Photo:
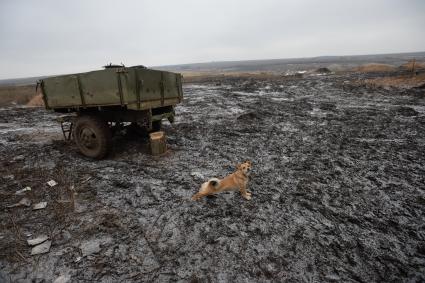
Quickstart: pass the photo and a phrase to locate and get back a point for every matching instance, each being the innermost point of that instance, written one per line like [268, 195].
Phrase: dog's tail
[214, 182]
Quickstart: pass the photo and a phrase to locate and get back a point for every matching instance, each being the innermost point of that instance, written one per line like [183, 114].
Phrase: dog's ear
[238, 166]
[249, 162]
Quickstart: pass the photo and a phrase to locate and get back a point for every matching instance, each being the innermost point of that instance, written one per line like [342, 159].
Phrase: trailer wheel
[92, 136]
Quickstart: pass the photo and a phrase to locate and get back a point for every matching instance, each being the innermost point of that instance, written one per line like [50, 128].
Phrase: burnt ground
[338, 190]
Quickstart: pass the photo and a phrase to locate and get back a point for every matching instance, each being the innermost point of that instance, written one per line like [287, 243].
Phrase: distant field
[403, 81]
[273, 66]
[22, 91]
[26, 95]
[16, 94]
[334, 63]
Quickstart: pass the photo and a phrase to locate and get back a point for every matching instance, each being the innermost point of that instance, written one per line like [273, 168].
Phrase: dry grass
[405, 81]
[16, 94]
[374, 67]
[417, 65]
[36, 101]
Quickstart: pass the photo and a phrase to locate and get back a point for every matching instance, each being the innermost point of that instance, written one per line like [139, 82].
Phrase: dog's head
[245, 167]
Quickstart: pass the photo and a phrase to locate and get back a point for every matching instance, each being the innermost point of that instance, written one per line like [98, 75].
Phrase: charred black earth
[338, 190]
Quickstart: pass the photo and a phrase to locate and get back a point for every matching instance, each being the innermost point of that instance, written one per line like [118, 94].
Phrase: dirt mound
[36, 101]
[323, 70]
[369, 68]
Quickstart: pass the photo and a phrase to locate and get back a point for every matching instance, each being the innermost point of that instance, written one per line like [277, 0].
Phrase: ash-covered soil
[338, 190]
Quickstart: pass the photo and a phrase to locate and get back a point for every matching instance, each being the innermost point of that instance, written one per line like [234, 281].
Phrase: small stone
[25, 202]
[90, 247]
[26, 189]
[197, 175]
[79, 207]
[63, 238]
[139, 191]
[38, 240]
[22, 202]
[52, 183]
[42, 248]
[9, 177]
[40, 205]
[333, 277]
[19, 158]
[62, 279]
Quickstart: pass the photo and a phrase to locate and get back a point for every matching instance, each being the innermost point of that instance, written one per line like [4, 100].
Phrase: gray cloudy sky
[55, 37]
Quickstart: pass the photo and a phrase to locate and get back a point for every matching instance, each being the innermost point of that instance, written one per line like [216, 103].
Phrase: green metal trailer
[107, 99]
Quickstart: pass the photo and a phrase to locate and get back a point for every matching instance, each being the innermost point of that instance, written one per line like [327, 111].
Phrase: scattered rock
[90, 247]
[4, 277]
[63, 237]
[42, 248]
[20, 192]
[9, 177]
[23, 202]
[407, 111]
[52, 183]
[19, 158]
[139, 191]
[79, 206]
[333, 278]
[62, 279]
[40, 205]
[197, 175]
[38, 240]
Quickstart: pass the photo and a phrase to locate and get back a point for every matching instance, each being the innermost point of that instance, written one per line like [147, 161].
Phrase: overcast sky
[56, 37]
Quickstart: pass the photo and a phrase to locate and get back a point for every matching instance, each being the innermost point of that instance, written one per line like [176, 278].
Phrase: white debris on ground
[42, 248]
[90, 247]
[23, 202]
[20, 192]
[40, 205]
[197, 175]
[52, 183]
[63, 279]
[38, 240]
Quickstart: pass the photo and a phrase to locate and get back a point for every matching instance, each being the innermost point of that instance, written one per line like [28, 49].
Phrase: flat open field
[338, 189]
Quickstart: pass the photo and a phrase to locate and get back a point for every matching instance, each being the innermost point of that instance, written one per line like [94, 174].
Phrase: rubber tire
[102, 134]
[156, 126]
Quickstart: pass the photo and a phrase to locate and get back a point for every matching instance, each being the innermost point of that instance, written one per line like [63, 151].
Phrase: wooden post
[158, 143]
[413, 68]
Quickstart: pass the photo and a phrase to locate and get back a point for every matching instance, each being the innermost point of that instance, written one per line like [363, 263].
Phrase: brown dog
[233, 182]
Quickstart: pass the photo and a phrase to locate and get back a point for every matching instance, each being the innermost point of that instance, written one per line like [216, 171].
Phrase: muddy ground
[338, 190]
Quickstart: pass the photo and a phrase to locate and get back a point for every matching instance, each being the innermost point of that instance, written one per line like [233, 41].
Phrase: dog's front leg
[245, 194]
